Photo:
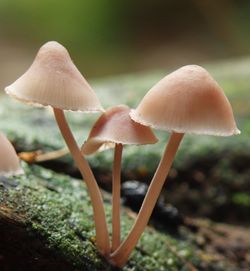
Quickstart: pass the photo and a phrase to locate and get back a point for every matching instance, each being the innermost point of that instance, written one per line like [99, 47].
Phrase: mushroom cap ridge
[53, 80]
[116, 127]
[187, 101]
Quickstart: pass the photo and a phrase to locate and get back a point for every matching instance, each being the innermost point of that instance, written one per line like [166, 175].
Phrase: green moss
[241, 199]
[57, 208]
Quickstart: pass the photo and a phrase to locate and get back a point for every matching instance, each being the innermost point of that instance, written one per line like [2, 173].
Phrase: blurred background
[111, 37]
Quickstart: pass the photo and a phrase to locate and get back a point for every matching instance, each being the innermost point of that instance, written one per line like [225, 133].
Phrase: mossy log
[46, 219]
[46, 223]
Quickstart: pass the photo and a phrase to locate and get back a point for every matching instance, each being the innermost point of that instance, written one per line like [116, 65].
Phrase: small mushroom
[9, 161]
[114, 128]
[53, 80]
[186, 101]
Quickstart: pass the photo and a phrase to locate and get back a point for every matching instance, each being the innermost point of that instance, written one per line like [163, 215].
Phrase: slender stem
[51, 155]
[38, 156]
[116, 186]
[102, 238]
[121, 255]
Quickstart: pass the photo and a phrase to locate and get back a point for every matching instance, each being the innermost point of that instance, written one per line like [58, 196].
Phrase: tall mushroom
[115, 128]
[53, 80]
[9, 161]
[186, 101]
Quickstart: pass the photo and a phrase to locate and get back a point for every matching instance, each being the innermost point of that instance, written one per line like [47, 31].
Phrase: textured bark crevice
[20, 249]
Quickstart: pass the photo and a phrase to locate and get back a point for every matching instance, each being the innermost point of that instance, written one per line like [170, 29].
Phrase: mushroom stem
[121, 255]
[38, 156]
[51, 155]
[102, 238]
[116, 186]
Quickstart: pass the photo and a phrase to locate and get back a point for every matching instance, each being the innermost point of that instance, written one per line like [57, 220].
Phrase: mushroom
[9, 161]
[53, 80]
[114, 128]
[186, 101]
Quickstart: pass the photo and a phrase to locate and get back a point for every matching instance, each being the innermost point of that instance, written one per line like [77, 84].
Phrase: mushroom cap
[9, 161]
[187, 101]
[116, 127]
[53, 80]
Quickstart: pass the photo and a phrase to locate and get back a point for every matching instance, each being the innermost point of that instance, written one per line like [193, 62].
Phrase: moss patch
[56, 209]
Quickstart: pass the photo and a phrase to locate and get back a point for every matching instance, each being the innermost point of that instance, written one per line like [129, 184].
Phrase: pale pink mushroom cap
[187, 101]
[9, 161]
[116, 127]
[54, 80]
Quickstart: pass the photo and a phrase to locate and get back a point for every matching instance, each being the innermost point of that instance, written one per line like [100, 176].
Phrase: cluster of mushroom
[185, 101]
